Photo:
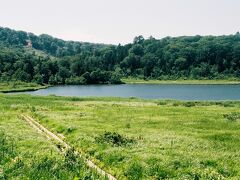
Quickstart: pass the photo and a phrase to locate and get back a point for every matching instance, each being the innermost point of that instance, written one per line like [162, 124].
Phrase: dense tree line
[69, 62]
[16, 64]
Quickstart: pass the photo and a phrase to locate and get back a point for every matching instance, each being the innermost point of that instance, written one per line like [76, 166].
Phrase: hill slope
[45, 59]
[46, 43]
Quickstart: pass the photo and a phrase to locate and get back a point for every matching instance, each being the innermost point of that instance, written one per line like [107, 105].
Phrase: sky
[119, 21]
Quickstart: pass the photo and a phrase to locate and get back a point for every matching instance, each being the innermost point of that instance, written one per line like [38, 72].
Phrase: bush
[115, 79]
[75, 99]
[128, 125]
[72, 161]
[71, 129]
[114, 139]
[162, 103]
[176, 104]
[64, 130]
[232, 116]
[189, 104]
[228, 104]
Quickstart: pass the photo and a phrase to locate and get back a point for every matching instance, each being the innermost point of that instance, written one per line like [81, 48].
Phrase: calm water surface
[148, 91]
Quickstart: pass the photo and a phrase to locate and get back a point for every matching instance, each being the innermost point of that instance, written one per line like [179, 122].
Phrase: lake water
[148, 91]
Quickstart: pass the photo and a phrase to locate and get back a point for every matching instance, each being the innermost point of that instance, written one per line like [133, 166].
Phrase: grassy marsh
[140, 139]
[26, 154]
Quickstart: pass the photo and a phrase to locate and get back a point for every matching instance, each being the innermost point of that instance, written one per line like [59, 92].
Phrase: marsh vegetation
[129, 138]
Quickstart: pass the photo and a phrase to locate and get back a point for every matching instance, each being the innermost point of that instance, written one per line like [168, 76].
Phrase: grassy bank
[137, 139]
[26, 154]
[141, 81]
[17, 86]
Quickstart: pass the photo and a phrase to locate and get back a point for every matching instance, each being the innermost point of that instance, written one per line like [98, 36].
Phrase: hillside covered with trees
[47, 60]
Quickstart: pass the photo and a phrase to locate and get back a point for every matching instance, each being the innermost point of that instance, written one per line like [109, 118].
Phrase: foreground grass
[26, 154]
[7, 87]
[139, 139]
[141, 81]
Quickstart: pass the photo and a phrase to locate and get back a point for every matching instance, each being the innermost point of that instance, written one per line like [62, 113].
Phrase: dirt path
[62, 145]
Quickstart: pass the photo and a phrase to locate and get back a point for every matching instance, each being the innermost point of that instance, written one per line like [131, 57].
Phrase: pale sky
[119, 21]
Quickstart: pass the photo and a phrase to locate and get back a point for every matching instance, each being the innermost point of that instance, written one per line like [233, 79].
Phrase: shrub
[176, 104]
[128, 125]
[228, 104]
[115, 79]
[114, 139]
[232, 116]
[33, 109]
[72, 161]
[162, 103]
[75, 99]
[70, 129]
[189, 104]
[62, 129]
[208, 163]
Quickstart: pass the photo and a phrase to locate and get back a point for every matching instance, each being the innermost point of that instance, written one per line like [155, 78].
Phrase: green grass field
[26, 154]
[132, 138]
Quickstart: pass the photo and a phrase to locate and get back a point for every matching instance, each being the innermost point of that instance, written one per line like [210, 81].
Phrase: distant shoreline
[195, 82]
[134, 81]
[23, 89]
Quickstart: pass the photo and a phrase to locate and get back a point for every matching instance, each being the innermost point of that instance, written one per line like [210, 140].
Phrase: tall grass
[171, 139]
[16, 166]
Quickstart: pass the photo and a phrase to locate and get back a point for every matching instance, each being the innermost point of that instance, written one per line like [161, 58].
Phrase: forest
[44, 59]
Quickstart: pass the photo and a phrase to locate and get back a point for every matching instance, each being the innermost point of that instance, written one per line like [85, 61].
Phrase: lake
[147, 91]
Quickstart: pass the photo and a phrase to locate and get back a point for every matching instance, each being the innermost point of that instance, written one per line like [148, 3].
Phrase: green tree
[38, 79]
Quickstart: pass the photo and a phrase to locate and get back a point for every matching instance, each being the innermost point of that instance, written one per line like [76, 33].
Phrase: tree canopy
[54, 61]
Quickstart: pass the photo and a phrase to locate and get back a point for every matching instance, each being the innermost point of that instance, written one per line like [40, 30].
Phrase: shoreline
[23, 89]
[137, 81]
[187, 82]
